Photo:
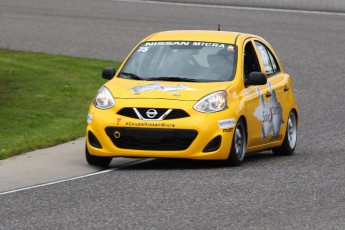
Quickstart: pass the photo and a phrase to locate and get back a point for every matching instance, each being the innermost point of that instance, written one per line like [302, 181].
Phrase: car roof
[199, 35]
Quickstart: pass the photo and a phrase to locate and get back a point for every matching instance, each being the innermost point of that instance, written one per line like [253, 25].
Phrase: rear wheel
[290, 139]
[96, 160]
[238, 147]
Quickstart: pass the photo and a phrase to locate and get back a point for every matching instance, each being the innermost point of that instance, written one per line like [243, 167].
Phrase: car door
[272, 109]
[253, 96]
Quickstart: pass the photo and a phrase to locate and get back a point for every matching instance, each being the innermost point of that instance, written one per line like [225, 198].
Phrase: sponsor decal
[270, 114]
[228, 130]
[231, 49]
[159, 87]
[209, 44]
[148, 124]
[227, 123]
[118, 120]
[188, 43]
[167, 43]
[89, 118]
[231, 90]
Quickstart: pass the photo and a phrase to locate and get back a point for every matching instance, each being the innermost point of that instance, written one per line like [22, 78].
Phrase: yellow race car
[207, 95]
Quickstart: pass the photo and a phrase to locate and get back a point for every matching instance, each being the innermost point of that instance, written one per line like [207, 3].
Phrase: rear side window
[270, 63]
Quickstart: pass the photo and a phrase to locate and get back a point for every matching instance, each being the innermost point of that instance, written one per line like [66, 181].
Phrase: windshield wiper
[178, 79]
[131, 76]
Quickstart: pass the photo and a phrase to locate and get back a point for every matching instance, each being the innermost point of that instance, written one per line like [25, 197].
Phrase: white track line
[232, 7]
[78, 177]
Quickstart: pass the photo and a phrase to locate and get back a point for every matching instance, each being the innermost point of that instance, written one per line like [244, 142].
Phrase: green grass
[44, 99]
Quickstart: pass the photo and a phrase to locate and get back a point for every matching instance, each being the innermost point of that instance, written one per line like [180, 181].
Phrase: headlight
[104, 99]
[213, 102]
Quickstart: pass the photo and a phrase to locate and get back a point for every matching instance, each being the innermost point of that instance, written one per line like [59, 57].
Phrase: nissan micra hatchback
[208, 95]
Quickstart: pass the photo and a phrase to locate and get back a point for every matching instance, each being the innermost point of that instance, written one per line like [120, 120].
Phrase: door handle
[268, 94]
[286, 88]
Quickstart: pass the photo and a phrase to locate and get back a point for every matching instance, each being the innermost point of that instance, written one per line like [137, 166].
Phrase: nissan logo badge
[151, 113]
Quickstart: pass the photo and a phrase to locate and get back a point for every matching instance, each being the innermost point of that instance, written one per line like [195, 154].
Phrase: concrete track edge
[56, 163]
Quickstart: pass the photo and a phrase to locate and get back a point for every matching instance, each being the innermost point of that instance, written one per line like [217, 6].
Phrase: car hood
[124, 88]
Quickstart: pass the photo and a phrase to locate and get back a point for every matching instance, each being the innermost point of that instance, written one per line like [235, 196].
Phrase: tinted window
[270, 63]
[251, 63]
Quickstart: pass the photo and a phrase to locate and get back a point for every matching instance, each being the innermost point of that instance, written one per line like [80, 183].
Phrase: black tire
[96, 160]
[239, 144]
[290, 139]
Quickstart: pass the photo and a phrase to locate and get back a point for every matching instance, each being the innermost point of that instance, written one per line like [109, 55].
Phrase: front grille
[151, 139]
[174, 114]
[127, 112]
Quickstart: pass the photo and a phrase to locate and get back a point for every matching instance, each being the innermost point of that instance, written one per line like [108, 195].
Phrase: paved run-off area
[61, 162]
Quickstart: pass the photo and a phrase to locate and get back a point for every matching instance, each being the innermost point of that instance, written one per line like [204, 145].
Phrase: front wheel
[96, 160]
[290, 139]
[239, 143]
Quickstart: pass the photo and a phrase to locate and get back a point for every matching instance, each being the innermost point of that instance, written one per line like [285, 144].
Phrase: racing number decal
[143, 49]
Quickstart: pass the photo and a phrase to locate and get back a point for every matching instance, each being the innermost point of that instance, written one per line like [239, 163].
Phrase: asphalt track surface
[304, 191]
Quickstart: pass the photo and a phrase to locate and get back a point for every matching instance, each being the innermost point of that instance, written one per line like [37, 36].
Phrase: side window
[251, 63]
[273, 61]
[270, 63]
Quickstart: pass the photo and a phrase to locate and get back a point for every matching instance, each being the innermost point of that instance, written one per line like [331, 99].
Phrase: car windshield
[185, 61]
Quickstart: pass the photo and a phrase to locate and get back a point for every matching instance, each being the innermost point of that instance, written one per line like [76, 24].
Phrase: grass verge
[44, 99]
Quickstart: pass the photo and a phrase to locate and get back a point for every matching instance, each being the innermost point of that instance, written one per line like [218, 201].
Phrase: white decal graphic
[178, 43]
[167, 43]
[159, 87]
[89, 118]
[227, 123]
[231, 48]
[143, 49]
[270, 114]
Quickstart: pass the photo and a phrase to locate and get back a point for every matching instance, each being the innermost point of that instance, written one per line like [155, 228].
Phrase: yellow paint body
[242, 103]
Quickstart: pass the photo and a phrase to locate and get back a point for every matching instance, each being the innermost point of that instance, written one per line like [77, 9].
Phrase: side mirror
[108, 73]
[256, 78]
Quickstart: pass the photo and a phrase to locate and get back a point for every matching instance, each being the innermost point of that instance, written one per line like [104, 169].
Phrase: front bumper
[198, 136]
